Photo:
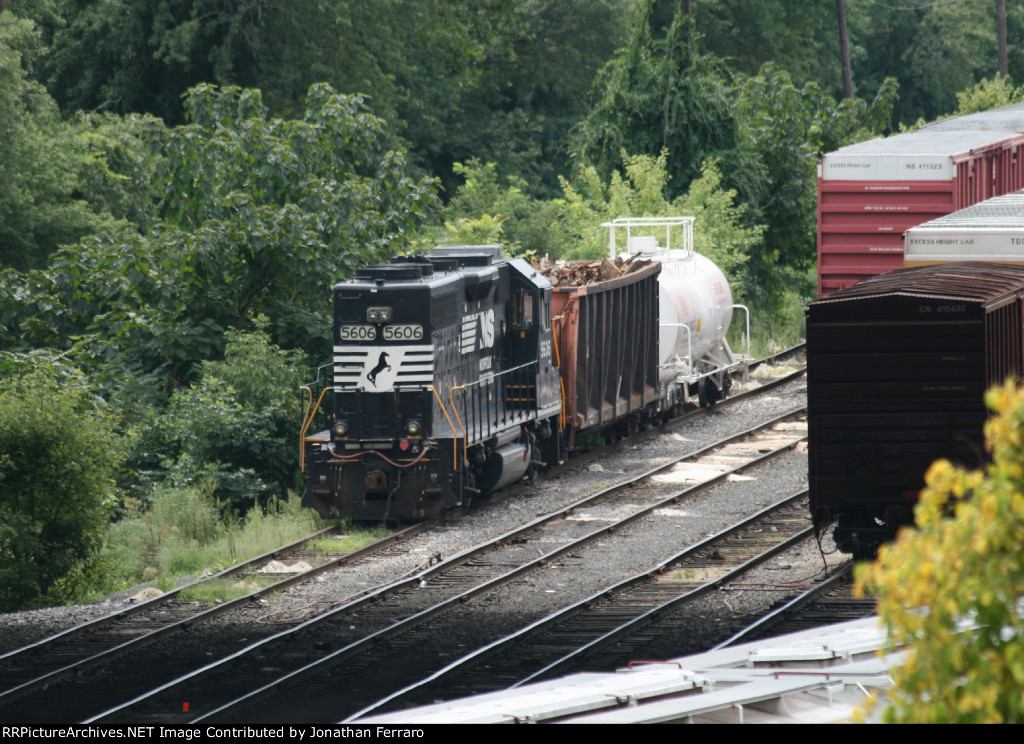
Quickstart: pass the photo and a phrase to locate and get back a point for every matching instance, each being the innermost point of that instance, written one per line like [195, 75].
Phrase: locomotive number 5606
[403, 332]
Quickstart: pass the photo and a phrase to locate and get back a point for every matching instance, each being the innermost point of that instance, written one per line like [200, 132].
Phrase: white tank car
[695, 306]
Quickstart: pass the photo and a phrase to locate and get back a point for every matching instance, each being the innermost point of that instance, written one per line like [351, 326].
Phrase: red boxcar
[870, 193]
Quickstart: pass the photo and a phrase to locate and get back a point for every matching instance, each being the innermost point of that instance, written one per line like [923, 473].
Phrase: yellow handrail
[558, 361]
[465, 448]
[455, 450]
[307, 419]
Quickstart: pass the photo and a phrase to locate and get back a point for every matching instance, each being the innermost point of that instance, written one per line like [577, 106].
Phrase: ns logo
[486, 328]
[477, 325]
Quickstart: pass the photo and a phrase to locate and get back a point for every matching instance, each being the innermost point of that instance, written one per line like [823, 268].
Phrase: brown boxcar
[870, 193]
[607, 337]
[897, 367]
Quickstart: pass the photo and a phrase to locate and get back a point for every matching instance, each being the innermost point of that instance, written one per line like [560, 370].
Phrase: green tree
[963, 562]
[720, 229]
[255, 215]
[491, 208]
[789, 129]
[59, 454]
[236, 426]
[988, 94]
[932, 49]
[59, 180]
[799, 38]
[502, 81]
[655, 96]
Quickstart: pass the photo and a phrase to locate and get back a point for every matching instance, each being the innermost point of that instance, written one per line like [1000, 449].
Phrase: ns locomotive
[461, 372]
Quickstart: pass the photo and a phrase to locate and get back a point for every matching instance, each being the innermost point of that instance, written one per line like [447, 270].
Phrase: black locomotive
[406, 436]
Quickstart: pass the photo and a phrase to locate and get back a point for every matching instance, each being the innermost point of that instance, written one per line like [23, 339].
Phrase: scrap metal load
[585, 273]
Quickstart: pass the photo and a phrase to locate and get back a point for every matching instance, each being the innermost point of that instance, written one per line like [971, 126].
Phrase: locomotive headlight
[378, 315]
[414, 428]
[340, 429]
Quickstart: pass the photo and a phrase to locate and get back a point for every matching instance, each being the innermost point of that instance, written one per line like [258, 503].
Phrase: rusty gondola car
[897, 367]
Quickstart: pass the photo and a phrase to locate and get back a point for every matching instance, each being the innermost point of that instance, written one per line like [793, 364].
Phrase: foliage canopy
[235, 428]
[254, 215]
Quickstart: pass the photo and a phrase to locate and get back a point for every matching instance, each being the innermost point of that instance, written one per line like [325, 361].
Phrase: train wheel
[705, 392]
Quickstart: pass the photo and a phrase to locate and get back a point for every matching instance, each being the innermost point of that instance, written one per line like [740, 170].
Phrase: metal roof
[1005, 211]
[1007, 118]
[973, 281]
[928, 142]
[814, 676]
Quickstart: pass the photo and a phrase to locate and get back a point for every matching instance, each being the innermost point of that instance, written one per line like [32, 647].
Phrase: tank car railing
[746, 338]
[494, 404]
[677, 360]
[688, 361]
[683, 225]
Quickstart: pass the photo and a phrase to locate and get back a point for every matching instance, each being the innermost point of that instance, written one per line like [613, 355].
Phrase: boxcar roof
[925, 142]
[972, 281]
[1007, 118]
[998, 212]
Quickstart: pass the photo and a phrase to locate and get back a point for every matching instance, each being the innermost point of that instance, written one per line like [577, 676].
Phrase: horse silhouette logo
[382, 364]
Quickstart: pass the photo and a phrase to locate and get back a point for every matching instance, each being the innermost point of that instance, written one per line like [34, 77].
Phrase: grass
[222, 590]
[184, 534]
[352, 540]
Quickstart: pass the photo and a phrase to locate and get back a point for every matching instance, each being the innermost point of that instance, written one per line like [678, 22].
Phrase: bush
[59, 454]
[238, 426]
[962, 563]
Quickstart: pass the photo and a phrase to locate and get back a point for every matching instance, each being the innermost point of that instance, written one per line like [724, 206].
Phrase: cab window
[522, 310]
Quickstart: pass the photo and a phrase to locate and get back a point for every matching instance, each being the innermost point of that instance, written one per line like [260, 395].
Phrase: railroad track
[348, 647]
[826, 602]
[72, 654]
[605, 628]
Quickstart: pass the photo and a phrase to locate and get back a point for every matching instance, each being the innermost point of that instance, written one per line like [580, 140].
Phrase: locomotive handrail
[477, 383]
[455, 410]
[307, 416]
[455, 444]
[558, 363]
[309, 413]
